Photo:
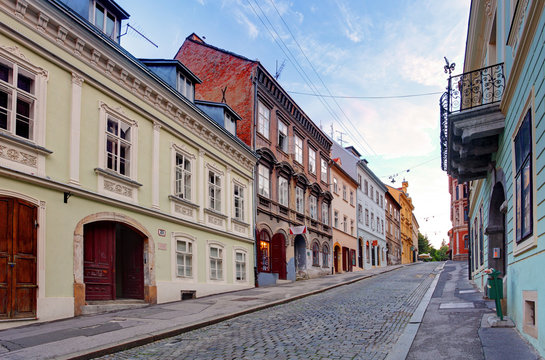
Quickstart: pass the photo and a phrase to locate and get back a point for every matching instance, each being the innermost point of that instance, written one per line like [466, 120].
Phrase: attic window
[104, 20]
[185, 87]
[230, 124]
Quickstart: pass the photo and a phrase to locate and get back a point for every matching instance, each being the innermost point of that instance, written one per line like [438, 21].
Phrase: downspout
[254, 171]
[469, 253]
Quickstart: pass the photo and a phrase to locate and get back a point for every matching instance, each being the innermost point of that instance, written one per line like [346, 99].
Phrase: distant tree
[441, 254]
[424, 246]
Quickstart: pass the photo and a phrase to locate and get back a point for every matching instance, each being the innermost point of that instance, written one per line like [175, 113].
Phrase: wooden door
[278, 256]
[336, 259]
[99, 261]
[132, 262]
[18, 249]
[345, 259]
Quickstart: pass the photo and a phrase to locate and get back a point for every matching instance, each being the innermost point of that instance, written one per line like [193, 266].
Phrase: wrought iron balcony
[471, 122]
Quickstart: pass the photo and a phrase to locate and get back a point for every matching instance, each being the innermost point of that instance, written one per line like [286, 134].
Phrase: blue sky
[357, 48]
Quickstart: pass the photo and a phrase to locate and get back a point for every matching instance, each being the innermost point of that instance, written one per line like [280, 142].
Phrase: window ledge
[524, 245]
[183, 201]
[118, 177]
[25, 143]
[239, 222]
[282, 151]
[263, 137]
[215, 213]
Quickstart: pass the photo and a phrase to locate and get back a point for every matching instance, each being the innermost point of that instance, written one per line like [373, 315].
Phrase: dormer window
[185, 87]
[105, 20]
[230, 124]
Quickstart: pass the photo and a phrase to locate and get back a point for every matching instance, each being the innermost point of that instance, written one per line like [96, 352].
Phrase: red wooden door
[18, 249]
[336, 259]
[99, 261]
[132, 262]
[278, 256]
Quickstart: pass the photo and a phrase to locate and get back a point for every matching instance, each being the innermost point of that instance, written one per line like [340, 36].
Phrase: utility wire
[409, 169]
[320, 78]
[368, 97]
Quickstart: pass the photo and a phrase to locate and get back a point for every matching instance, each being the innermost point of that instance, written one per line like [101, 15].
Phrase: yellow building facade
[407, 244]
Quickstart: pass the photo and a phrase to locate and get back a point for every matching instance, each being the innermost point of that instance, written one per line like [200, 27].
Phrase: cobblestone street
[358, 321]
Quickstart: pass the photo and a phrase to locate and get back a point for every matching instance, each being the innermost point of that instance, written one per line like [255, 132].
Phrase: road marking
[467, 291]
[457, 305]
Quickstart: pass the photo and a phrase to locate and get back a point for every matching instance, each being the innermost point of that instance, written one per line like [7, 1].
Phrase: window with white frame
[365, 187]
[359, 181]
[381, 201]
[184, 258]
[335, 186]
[283, 194]
[313, 207]
[299, 200]
[17, 100]
[216, 262]
[238, 201]
[183, 177]
[336, 219]
[367, 217]
[352, 227]
[523, 179]
[185, 87]
[360, 213]
[371, 191]
[323, 165]
[264, 183]
[104, 20]
[382, 226]
[311, 160]
[378, 224]
[325, 213]
[118, 146]
[263, 119]
[298, 149]
[214, 190]
[345, 223]
[372, 221]
[282, 136]
[351, 197]
[376, 197]
[230, 124]
[344, 193]
[240, 266]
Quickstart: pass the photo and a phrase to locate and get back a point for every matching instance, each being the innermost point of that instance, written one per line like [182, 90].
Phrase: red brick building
[458, 235]
[292, 177]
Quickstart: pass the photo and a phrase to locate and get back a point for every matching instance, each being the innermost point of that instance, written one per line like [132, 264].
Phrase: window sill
[24, 143]
[215, 213]
[240, 222]
[282, 151]
[183, 201]
[118, 177]
[262, 137]
[525, 245]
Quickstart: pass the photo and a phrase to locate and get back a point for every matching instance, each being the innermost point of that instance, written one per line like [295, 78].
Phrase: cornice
[95, 52]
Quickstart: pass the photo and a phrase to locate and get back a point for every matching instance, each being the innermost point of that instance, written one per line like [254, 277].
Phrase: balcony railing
[476, 88]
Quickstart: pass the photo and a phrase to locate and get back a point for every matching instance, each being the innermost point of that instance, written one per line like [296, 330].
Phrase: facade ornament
[95, 56]
[15, 51]
[123, 76]
[20, 9]
[77, 79]
[135, 85]
[147, 93]
[110, 66]
[61, 35]
[80, 44]
[43, 20]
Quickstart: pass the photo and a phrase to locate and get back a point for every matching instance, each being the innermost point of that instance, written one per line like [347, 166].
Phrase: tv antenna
[279, 69]
[340, 138]
[139, 33]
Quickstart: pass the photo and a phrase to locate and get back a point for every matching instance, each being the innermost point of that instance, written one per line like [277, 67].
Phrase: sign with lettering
[162, 232]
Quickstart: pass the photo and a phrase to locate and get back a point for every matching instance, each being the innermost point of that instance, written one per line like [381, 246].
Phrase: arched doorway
[300, 253]
[336, 258]
[360, 253]
[278, 256]
[496, 231]
[113, 265]
[18, 257]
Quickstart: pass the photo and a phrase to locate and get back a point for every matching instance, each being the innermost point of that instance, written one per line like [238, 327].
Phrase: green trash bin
[495, 290]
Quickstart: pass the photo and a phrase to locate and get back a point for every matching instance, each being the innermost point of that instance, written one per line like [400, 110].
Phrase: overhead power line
[367, 97]
[393, 177]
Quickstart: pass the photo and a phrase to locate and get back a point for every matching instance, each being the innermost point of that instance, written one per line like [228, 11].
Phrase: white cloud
[242, 19]
[352, 24]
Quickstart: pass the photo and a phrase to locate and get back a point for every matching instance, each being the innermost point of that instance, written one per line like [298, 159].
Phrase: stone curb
[403, 345]
[166, 333]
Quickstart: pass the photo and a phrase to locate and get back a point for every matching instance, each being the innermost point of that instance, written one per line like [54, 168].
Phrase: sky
[358, 53]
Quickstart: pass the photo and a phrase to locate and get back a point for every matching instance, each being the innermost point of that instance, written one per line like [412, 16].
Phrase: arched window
[315, 254]
[325, 256]
[264, 251]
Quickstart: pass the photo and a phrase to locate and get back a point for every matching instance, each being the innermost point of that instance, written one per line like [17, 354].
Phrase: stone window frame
[263, 122]
[178, 150]
[245, 252]
[264, 180]
[181, 236]
[220, 259]
[241, 201]
[284, 192]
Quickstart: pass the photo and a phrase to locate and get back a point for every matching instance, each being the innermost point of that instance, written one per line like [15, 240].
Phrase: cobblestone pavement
[357, 321]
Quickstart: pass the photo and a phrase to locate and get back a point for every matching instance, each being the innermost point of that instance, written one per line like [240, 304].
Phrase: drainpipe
[469, 253]
[254, 172]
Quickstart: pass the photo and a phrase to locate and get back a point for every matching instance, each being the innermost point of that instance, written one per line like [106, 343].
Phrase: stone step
[98, 307]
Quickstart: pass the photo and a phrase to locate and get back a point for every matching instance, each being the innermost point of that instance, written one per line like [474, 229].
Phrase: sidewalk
[455, 324]
[94, 335]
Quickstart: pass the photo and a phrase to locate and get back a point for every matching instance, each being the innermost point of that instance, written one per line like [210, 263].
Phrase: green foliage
[425, 247]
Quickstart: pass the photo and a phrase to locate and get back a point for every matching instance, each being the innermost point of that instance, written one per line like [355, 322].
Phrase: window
[17, 101]
[311, 161]
[360, 213]
[381, 201]
[216, 263]
[104, 20]
[315, 254]
[214, 190]
[371, 191]
[336, 220]
[313, 207]
[345, 223]
[344, 193]
[298, 149]
[372, 221]
[351, 197]
[382, 226]
[184, 257]
[263, 119]
[376, 197]
[351, 227]
[365, 187]
[283, 191]
[238, 195]
[118, 146]
[183, 177]
[240, 266]
[367, 217]
[263, 254]
[325, 213]
[325, 256]
[185, 87]
[230, 124]
[335, 186]
[299, 200]
[378, 224]
[324, 170]
[282, 136]
[264, 180]
[359, 181]
[523, 179]
[466, 242]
